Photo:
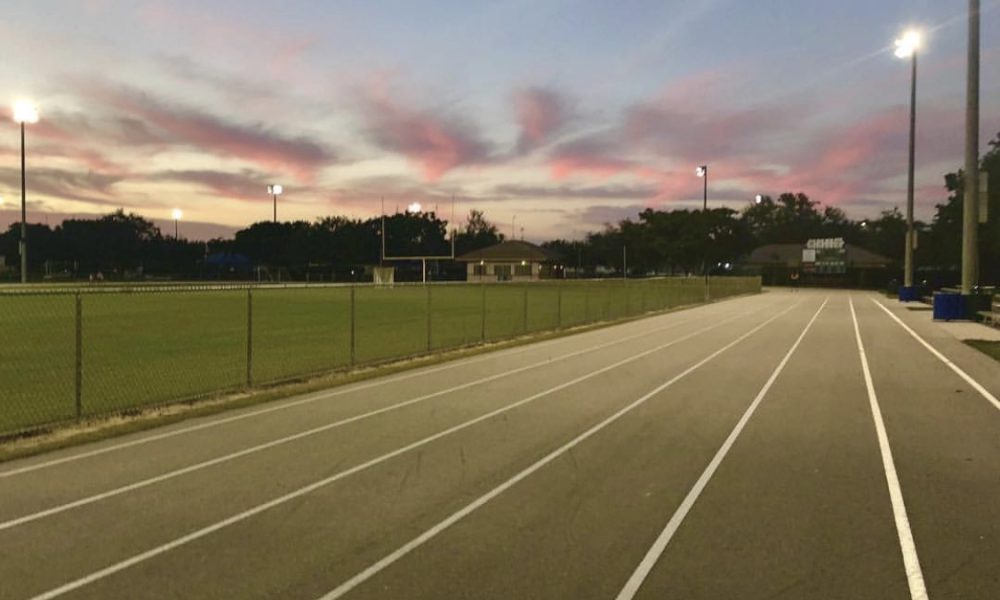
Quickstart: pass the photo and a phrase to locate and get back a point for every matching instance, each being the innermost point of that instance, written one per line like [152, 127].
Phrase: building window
[522, 270]
[502, 272]
[479, 270]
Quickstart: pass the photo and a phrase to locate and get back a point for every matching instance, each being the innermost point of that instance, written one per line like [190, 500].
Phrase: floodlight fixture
[25, 112]
[701, 171]
[758, 199]
[275, 190]
[414, 208]
[908, 44]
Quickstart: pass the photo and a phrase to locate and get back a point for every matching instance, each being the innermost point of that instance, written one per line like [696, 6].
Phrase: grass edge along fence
[73, 353]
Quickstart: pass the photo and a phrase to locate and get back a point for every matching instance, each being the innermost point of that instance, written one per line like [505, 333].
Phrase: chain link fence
[67, 354]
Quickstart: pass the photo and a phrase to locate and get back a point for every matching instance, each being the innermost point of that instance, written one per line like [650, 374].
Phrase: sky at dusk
[564, 113]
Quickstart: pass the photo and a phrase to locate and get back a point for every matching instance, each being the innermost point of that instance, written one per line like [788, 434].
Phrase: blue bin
[909, 294]
[949, 306]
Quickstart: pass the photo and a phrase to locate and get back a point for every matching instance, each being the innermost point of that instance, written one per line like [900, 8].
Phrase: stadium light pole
[275, 191]
[702, 172]
[970, 207]
[906, 47]
[24, 112]
[177, 215]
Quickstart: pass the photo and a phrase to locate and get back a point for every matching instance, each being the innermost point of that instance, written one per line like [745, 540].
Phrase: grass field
[132, 349]
[987, 347]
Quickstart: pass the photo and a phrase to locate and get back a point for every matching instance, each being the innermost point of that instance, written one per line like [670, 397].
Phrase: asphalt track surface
[787, 445]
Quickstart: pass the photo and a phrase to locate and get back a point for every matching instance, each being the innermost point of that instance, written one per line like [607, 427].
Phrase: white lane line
[911, 562]
[649, 561]
[200, 533]
[350, 389]
[317, 430]
[968, 378]
[429, 534]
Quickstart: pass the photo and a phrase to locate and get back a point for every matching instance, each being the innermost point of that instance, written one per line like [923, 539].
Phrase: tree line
[124, 245]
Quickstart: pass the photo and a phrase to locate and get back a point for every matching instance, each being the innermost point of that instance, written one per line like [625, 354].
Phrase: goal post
[384, 275]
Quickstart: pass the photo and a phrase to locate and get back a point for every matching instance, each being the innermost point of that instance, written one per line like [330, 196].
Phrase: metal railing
[72, 353]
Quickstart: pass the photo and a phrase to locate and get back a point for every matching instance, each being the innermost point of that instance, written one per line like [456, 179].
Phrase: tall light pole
[906, 47]
[702, 172]
[24, 112]
[177, 215]
[970, 208]
[275, 191]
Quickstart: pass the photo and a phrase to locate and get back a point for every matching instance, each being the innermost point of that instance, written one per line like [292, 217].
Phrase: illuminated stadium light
[25, 112]
[907, 45]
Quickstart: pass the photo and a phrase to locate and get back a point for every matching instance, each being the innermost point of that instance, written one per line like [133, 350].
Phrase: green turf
[157, 345]
[988, 348]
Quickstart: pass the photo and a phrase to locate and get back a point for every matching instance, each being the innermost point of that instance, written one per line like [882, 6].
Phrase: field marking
[911, 562]
[429, 534]
[323, 428]
[200, 533]
[317, 396]
[968, 378]
[645, 567]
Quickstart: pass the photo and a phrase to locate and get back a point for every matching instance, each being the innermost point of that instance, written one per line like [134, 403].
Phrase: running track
[787, 445]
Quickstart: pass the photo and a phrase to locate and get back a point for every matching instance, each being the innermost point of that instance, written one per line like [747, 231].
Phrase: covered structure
[826, 262]
[510, 261]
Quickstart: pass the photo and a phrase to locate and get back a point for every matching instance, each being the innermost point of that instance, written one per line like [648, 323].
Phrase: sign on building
[830, 255]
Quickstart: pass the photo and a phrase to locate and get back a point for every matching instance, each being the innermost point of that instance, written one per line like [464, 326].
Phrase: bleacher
[992, 316]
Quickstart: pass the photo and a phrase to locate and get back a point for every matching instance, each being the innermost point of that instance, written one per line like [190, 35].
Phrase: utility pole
[908, 255]
[24, 216]
[970, 210]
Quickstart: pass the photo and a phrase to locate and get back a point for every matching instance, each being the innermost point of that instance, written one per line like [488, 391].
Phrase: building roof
[791, 255]
[512, 251]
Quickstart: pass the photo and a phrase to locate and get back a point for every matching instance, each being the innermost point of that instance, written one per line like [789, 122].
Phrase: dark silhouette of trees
[123, 245]
[478, 233]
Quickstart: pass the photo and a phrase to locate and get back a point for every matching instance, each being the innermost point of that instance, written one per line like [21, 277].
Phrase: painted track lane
[799, 507]
[36, 494]
[574, 528]
[946, 441]
[242, 427]
[134, 524]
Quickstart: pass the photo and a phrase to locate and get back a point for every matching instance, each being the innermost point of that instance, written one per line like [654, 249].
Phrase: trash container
[909, 294]
[949, 306]
[976, 302]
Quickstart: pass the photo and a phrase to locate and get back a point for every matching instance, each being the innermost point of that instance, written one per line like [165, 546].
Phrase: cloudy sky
[562, 113]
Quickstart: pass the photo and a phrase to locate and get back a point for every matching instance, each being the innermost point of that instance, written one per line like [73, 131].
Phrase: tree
[478, 233]
[942, 246]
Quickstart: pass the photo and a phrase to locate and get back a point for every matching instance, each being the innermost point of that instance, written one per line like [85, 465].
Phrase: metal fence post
[482, 310]
[428, 288]
[586, 303]
[608, 293]
[79, 356]
[353, 329]
[558, 305]
[524, 307]
[249, 337]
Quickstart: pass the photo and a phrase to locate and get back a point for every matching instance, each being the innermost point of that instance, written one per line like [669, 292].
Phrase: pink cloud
[540, 113]
[301, 157]
[244, 185]
[437, 144]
